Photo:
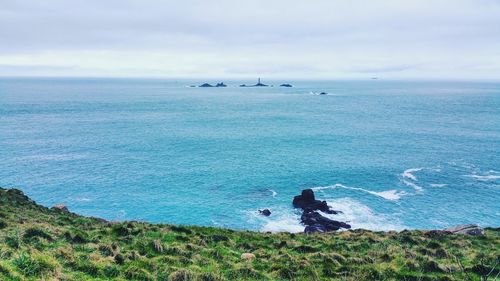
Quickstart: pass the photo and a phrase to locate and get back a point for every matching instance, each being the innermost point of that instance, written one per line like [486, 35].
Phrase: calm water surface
[390, 155]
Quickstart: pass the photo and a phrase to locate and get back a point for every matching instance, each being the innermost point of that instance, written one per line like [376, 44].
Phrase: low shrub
[182, 275]
[35, 265]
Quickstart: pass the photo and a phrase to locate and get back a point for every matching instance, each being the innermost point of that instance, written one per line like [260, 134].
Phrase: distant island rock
[259, 84]
[286, 85]
[207, 85]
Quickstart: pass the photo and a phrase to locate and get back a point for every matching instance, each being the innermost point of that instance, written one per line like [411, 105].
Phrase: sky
[314, 39]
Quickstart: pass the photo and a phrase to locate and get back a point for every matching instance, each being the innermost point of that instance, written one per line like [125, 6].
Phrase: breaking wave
[409, 173]
[361, 216]
[388, 194]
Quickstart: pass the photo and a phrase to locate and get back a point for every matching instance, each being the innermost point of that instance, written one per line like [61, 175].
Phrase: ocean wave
[273, 193]
[82, 199]
[282, 219]
[361, 216]
[438, 184]
[409, 173]
[283, 223]
[484, 177]
[388, 194]
[54, 157]
[413, 185]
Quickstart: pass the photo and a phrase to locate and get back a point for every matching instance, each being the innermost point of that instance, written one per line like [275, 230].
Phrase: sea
[391, 155]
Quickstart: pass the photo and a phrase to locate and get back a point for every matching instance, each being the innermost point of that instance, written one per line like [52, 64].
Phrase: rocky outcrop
[61, 208]
[207, 85]
[286, 85]
[307, 201]
[313, 220]
[469, 229]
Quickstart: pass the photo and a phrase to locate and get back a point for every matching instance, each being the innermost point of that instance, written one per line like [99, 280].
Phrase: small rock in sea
[286, 85]
[247, 256]
[470, 229]
[61, 208]
[265, 212]
[323, 93]
[221, 84]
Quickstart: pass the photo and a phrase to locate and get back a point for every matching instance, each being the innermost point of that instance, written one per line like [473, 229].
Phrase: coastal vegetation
[38, 243]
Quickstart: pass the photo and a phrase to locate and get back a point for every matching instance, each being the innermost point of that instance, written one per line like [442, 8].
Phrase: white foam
[409, 173]
[484, 177]
[54, 157]
[361, 216]
[412, 185]
[438, 184]
[388, 194]
[83, 199]
[283, 223]
[282, 219]
[273, 193]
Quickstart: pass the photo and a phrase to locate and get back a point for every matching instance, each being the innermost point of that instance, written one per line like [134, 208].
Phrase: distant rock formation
[207, 85]
[259, 84]
[61, 208]
[312, 219]
[286, 85]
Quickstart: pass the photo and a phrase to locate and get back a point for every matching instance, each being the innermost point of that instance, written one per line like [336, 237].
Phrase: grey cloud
[291, 35]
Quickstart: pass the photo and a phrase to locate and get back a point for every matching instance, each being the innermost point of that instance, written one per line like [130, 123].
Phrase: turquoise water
[391, 155]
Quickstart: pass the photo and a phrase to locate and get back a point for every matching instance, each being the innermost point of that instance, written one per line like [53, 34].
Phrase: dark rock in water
[221, 84]
[286, 85]
[306, 197]
[315, 228]
[307, 201]
[323, 93]
[243, 85]
[265, 212]
[313, 220]
[205, 85]
[469, 229]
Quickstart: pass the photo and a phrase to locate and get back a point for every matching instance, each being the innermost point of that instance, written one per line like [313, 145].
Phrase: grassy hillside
[37, 243]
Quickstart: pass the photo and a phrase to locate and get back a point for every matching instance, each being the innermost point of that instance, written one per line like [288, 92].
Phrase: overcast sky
[314, 39]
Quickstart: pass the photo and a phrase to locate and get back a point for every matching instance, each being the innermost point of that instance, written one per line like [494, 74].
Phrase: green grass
[37, 243]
